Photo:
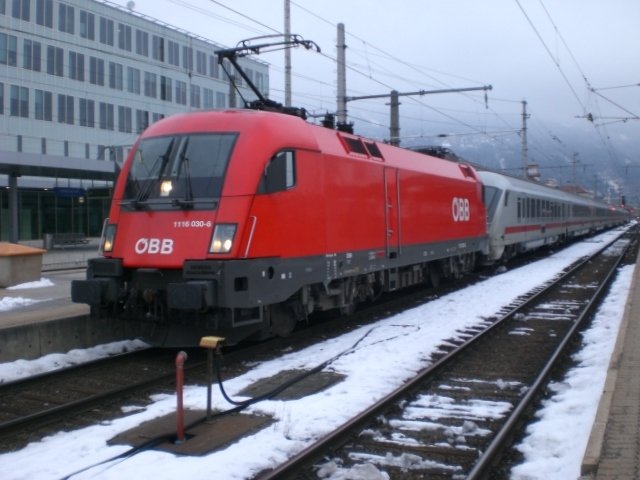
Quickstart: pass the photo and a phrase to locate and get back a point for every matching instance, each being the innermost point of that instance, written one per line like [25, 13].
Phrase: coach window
[279, 174]
[519, 208]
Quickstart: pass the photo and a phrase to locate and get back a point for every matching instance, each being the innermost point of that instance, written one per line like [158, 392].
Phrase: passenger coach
[523, 215]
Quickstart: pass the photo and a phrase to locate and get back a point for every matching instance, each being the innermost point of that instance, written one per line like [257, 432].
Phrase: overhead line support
[394, 123]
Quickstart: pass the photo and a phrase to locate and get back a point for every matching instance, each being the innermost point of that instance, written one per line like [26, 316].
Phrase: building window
[133, 80]
[8, 50]
[1, 98]
[106, 31]
[44, 108]
[195, 96]
[142, 43]
[21, 9]
[19, 101]
[142, 120]
[150, 89]
[124, 119]
[221, 100]
[207, 94]
[187, 58]
[66, 18]
[65, 109]
[106, 116]
[55, 62]
[165, 88]
[76, 66]
[124, 37]
[259, 81]
[96, 71]
[181, 92]
[87, 113]
[44, 13]
[213, 66]
[174, 53]
[157, 50]
[201, 63]
[32, 54]
[87, 25]
[115, 75]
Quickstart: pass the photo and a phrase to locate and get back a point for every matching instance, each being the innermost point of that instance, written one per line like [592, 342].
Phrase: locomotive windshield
[179, 170]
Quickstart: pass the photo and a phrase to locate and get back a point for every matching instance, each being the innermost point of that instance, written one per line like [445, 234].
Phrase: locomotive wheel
[348, 309]
[434, 277]
[282, 320]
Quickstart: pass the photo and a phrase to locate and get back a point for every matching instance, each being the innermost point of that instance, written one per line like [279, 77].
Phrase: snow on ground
[567, 417]
[43, 282]
[10, 303]
[375, 360]
[54, 361]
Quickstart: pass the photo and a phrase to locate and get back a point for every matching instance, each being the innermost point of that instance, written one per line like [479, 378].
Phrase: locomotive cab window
[177, 170]
[279, 174]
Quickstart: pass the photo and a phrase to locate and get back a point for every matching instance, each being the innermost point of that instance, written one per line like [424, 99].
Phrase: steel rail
[342, 433]
[81, 404]
[501, 439]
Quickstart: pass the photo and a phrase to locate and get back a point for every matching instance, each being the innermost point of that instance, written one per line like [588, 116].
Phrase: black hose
[152, 442]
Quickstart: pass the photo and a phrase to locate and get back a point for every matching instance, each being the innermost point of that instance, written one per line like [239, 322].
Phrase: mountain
[604, 161]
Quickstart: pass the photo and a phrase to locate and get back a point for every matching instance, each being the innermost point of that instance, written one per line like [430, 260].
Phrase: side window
[279, 174]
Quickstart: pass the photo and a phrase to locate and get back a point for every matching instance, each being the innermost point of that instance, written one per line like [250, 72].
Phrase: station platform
[59, 266]
[46, 321]
[613, 451]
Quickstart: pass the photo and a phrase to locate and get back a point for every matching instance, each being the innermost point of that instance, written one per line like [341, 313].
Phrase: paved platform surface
[613, 452]
[60, 266]
[51, 323]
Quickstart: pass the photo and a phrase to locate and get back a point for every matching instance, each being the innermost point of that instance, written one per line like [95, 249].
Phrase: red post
[180, 359]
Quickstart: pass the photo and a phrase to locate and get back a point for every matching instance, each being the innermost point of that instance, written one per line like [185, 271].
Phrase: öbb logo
[460, 209]
[152, 246]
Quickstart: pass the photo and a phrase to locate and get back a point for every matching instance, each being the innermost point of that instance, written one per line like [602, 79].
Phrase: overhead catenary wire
[553, 59]
[368, 62]
[351, 67]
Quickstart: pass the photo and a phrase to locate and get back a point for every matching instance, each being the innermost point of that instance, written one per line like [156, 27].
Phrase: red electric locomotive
[241, 223]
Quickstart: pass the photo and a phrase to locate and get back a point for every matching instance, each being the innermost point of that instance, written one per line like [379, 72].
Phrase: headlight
[108, 237]
[165, 188]
[222, 240]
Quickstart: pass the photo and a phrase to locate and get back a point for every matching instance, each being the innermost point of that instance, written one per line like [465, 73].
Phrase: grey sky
[432, 44]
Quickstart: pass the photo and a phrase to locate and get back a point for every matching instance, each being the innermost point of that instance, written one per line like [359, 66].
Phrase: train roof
[275, 131]
[508, 182]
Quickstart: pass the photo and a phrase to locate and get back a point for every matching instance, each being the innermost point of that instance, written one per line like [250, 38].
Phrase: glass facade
[56, 211]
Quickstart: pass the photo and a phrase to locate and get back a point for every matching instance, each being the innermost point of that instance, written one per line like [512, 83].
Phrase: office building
[81, 79]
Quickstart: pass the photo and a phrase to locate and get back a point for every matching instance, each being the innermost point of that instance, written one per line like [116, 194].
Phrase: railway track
[458, 417]
[99, 396]
[33, 403]
[34, 406]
